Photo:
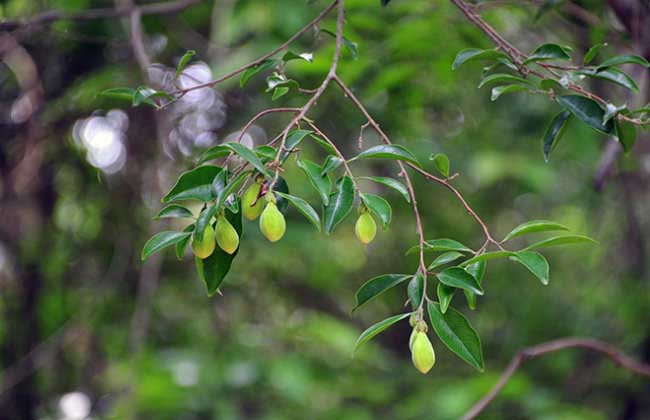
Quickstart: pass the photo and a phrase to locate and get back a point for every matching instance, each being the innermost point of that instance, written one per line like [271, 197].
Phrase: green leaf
[379, 206]
[474, 54]
[331, 162]
[379, 327]
[560, 240]
[322, 184]
[445, 258]
[290, 56]
[593, 51]
[461, 279]
[376, 286]
[162, 240]
[281, 187]
[252, 71]
[388, 151]
[626, 133]
[125, 94]
[184, 61]
[214, 269]
[216, 152]
[458, 335]
[351, 46]
[194, 185]
[612, 75]
[487, 256]
[250, 156]
[440, 245]
[203, 221]
[504, 78]
[535, 263]
[230, 188]
[500, 90]
[174, 210]
[265, 152]
[586, 110]
[624, 59]
[477, 270]
[534, 226]
[294, 138]
[445, 295]
[554, 133]
[441, 163]
[322, 143]
[303, 207]
[391, 183]
[182, 244]
[415, 290]
[340, 204]
[279, 92]
[146, 95]
[548, 52]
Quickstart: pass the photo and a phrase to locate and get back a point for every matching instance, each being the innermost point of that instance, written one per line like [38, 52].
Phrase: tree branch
[606, 349]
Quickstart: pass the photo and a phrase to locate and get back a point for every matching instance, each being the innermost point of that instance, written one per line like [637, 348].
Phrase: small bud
[252, 206]
[422, 353]
[227, 237]
[272, 222]
[366, 228]
[205, 247]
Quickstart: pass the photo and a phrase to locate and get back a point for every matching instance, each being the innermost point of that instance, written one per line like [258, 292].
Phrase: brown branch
[51, 16]
[608, 350]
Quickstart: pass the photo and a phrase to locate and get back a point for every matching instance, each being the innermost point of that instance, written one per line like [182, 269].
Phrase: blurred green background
[88, 331]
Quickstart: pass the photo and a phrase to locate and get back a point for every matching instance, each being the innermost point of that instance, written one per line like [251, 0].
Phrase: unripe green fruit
[205, 247]
[366, 228]
[251, 206]
[272, 222]
[422, 353]
[414, 334]
[227, 237]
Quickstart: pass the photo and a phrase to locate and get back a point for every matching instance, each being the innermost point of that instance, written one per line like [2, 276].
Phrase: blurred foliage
[278, 343]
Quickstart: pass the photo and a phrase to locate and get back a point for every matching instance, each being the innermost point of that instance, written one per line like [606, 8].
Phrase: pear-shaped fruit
[205, 247]
[227, 237]
[422, 353]
[272, 222]
[366, 228]
[252, 207]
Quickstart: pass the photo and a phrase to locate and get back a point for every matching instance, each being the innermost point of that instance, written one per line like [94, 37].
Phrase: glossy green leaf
[250, 156]
[377, 328]
[624, 59]
[626, 134]
[455, 331]
[123, 94]
[504, 78]
[281, 187]
[535, 263]
[475, 54]
[182, 244]
[388, 151]
[331, 162]
[351, 46]
[303, 207]
[445, 295]
[183, 62]
[593, 51]
[534, 226]
[460, 279]
[322, 143]
[440, 245]
[279, 92]
[194, 185]
[380, 207]
[586, 110]
[290, 56]
[548, 52]
[340, 204]
[487, 256]
[501, 90]
[203, 221]
[146, 95]
[215, 152]
[230, 188]
[477, 270]
[376, 286]
[252, 71]
[391, 183]
[173, 210]
[265, 152]
[162, 240]
[560, 240]
[294, 138]
[446, 258]
[554, 133]
[322, 184]
[441, 163]
[415, 290]
[612, 75]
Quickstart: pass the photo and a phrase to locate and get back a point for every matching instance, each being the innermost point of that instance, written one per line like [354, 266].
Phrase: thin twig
[610, 351]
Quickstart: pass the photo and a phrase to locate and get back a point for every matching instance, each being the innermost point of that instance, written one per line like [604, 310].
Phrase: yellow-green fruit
[205, 247]
[252, 212]
[272, 222]
[414, 334]
[227, 237]
[422, 353]
[366, 228]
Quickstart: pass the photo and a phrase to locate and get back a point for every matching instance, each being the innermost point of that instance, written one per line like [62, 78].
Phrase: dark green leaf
[458, 335]
[194, 185]
[548, 52]
[331, 162]
[203, 221]
[279, 92]
[230, 188]
[125, 94]
[440, 245]
[303, 207]
[215, 152]
[441, 163]
[612, 75]
[281, 187]
[322, 184]
[505, 78]
[379, 327]
[624, 59]
[560, 240]
[392, 183]
[248, 155]
[340, 204]
[252, 71]
[626, 133]
[293, 140]
[322, 143]
[461, 279]
[487, 256]
[173, 210]
[586, 110]
[162, 240]
[477, 270]
[185, 59]
[379, 206]
[445, 295]
[474, 54]
[534, 226]
[445, 258]
[376, 286]
[500, 90]
[265, 152]
[554, 133]
[415, 290]
[388, 151]
[593, 51]
[535, 263]
[182, 244]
